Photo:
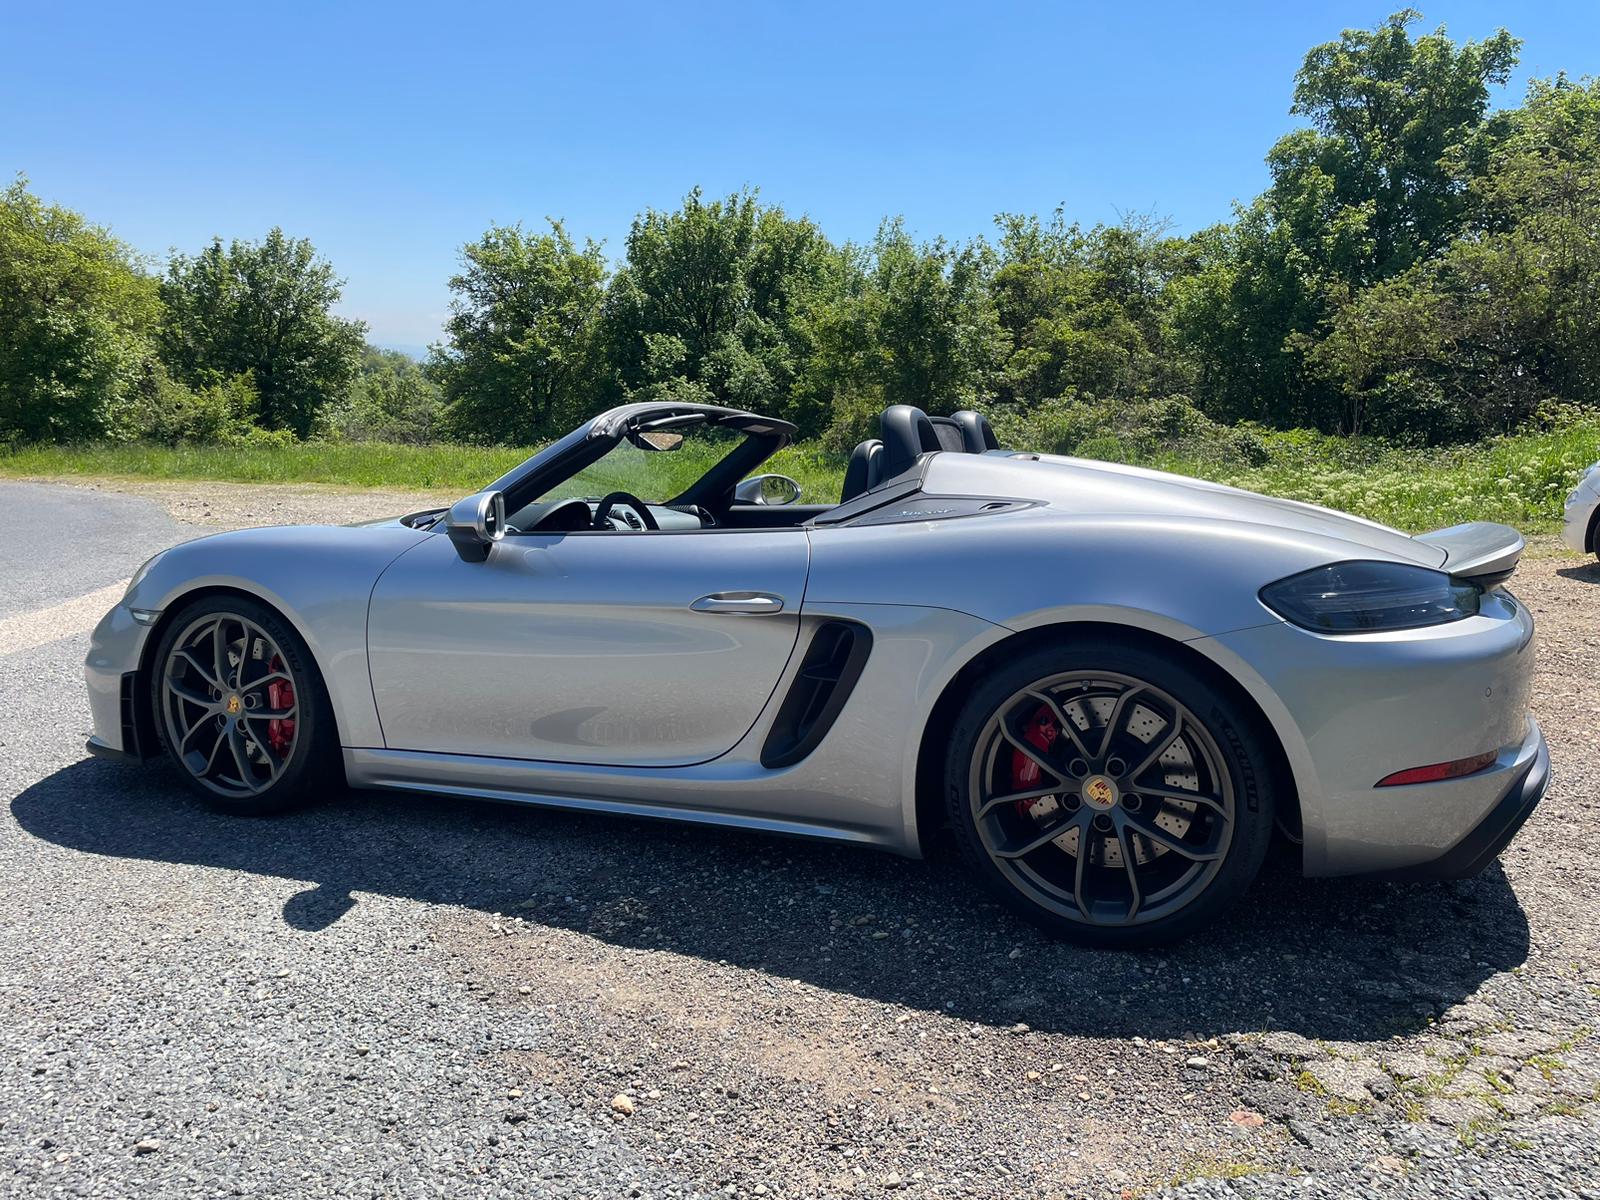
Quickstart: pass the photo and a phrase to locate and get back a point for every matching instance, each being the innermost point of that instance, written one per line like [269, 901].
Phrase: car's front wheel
[240, 707]
[1109, 793]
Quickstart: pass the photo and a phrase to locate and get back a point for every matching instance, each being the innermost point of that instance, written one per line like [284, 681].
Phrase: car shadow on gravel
[1341, 959]
[1588, 573]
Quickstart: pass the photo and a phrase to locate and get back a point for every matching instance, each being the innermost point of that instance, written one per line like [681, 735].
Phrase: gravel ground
[395, 996]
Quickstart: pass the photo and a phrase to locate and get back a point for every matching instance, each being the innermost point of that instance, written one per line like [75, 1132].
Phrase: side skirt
[511, 781]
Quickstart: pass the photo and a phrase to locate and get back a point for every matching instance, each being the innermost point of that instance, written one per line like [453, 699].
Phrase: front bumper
[121, 723]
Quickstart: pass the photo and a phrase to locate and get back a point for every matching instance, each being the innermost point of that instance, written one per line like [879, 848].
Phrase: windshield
[655, 476]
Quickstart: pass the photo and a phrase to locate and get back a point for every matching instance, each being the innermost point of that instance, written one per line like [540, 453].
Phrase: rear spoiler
[1481, 551]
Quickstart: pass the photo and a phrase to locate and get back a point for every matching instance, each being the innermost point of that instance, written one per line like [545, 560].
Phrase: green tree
[1085, 311]
[914, 324]
[519, 363]
[262, 308]
[77, 322]
[1388, 114]
[1379, 182]
[716, 302]
[1475, 339]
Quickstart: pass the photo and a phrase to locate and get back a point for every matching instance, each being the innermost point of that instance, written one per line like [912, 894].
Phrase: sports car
[1117, 689]
[1580, 526]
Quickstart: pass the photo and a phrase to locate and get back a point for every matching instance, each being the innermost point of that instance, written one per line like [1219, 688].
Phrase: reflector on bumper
[1436, 771]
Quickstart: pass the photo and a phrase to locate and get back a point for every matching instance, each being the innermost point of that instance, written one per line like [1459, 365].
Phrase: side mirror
[767, 489]
[476, 524]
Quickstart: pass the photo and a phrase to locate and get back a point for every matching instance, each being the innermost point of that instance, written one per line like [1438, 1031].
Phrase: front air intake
[833, 662]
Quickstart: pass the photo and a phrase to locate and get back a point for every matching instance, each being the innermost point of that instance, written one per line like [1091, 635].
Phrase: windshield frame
[597, 437]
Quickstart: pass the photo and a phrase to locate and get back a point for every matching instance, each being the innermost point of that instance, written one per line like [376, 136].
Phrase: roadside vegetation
[1519, 478]
[1405, 324]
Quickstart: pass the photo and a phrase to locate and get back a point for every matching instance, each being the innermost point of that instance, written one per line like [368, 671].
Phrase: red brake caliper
[280, 695]
[1041, 733]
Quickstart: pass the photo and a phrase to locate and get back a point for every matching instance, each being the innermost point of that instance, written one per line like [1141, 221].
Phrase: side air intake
[829, 671]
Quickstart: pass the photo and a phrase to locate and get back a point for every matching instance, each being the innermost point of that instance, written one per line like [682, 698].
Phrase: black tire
[1218, 743]
[261, 782]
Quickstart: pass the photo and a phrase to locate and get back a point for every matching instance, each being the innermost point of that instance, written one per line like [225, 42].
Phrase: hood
[1087, 486]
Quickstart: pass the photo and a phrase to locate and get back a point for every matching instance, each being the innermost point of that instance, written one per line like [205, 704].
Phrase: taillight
[1434, 772]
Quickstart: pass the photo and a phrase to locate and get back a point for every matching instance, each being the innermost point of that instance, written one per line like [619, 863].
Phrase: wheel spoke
[1118, 715]
[204, 671]
[1163, 837]
[1080, 895]
[274, 764]
[1203, 799]
[1032, 752]
[241, 759]
[1016, 798]
[219, 652]
[1131, 867]
[1027, 845]
[193, 695]
[269, 677]
[211, 759]
[1159, 748]
[203, 723]
[272, 714]
[1063, 722]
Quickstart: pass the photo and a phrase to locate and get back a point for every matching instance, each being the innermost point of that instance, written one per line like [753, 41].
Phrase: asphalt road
[155, 992]
[416, 997]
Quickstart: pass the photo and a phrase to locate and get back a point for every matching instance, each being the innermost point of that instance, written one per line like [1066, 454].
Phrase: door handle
[748, 603]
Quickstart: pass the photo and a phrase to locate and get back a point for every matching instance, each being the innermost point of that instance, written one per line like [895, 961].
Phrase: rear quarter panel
[1184, 577]
[1188, 579]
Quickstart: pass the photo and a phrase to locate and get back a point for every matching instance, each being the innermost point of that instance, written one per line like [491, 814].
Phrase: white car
[1581, 528]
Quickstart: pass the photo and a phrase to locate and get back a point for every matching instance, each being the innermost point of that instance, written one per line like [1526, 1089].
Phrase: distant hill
[409, 349]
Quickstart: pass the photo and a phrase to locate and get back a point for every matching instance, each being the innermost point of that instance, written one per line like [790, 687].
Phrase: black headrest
[907, 435]
[977, 435]
[864, 471]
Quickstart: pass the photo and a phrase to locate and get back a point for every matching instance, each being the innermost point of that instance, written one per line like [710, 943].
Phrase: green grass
[460, 469]
[443, 468]
[1520, 479]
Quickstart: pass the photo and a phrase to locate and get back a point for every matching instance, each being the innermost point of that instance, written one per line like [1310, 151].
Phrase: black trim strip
[100, 750]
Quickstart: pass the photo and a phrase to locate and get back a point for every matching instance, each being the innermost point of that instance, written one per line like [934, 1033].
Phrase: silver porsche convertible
[1116, 688]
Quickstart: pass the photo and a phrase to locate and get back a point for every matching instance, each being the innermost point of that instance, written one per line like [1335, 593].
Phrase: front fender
[319, 578]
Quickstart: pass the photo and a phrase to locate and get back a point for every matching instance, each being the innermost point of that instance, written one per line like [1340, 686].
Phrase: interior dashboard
[575, 515]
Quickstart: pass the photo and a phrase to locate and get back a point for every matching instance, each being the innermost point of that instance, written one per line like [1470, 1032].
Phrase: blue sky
[391, 134]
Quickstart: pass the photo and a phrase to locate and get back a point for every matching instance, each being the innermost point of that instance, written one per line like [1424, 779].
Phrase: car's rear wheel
[241, 709]
[1109, 793]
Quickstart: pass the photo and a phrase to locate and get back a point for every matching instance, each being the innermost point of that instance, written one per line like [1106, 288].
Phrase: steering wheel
[602, 511]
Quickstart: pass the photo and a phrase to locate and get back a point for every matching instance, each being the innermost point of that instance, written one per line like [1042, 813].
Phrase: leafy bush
[400, 407]
[1520, 479]
[163, 410]
[1129, 430]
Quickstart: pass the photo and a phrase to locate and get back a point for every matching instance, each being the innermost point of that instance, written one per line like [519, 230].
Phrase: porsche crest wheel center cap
[233, 705]
[1099, 793]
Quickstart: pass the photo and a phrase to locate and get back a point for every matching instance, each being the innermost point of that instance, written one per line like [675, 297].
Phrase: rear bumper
[1352, 710]
[1493, 834]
